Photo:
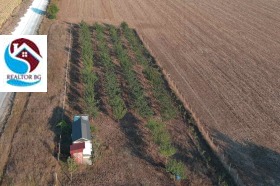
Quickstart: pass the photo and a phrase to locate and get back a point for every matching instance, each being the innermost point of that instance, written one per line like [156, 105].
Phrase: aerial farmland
[223, 57]
[216, 65]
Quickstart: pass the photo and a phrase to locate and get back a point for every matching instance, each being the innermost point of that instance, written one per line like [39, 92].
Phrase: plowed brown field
[224, 57]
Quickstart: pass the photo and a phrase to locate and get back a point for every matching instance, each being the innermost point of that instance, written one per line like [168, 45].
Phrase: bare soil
[223, 57]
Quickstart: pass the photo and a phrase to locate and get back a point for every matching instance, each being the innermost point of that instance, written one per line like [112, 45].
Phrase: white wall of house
[88, 148]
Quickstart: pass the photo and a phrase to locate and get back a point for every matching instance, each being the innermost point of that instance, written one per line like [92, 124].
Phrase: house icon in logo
[26, 52]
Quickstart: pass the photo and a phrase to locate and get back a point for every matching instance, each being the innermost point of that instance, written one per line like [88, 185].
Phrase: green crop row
[88, 75]
[139, 101]
[112, 87]
[152, 73]
[162, 138]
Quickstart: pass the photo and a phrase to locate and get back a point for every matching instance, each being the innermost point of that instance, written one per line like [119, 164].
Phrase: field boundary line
[67, 70]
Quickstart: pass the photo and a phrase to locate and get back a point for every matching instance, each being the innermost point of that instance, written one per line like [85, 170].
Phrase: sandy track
[224, 57]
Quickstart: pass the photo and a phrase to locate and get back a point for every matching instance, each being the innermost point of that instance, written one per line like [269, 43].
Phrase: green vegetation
[139, 101]
[92, 129]
[52, 10]
[161, 137]
[176, 168]
[152, 73]
[88, 75]
[65, 128]
[65, 138]
[111, 84]
[167, 108]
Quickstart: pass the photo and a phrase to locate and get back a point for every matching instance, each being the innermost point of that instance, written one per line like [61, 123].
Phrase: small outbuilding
[81, 148]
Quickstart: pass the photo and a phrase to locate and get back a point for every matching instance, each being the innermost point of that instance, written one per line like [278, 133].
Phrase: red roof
[77, 147]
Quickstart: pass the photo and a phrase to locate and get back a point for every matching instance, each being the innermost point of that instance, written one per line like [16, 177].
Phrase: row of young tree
[111, 84]
[162, 138]
[152, 73]
[136, 91]
[88, 76]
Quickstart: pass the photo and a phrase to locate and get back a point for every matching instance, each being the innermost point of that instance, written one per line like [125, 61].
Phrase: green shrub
[92, 129]
[52, 10]
[65, 127]
[119, 109]
[176, 168]
[167, 150]
[161, 137]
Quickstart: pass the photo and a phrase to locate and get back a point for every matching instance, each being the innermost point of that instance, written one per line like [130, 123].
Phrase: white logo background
[41, 69]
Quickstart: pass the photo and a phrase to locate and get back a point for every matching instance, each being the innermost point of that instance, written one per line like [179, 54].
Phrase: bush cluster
[112, 87]
[88, 75]
[152, 73]
[52, 10]
[161, 138]
[176, 168]
[139, 101]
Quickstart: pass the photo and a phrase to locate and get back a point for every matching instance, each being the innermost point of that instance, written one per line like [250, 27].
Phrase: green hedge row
[162, 138]
[112, 86]
[88, 76]
[139, 101]
[152, 73]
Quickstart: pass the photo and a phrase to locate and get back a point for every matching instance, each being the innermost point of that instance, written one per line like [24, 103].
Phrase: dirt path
[224, 58]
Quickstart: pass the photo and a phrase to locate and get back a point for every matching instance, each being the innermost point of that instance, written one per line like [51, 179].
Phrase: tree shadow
[66, 139]
[256, 165]
[185, 155]
[75, 70]
[130, 127]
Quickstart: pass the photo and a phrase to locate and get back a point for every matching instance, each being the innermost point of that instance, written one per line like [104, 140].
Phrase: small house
[81, 148]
